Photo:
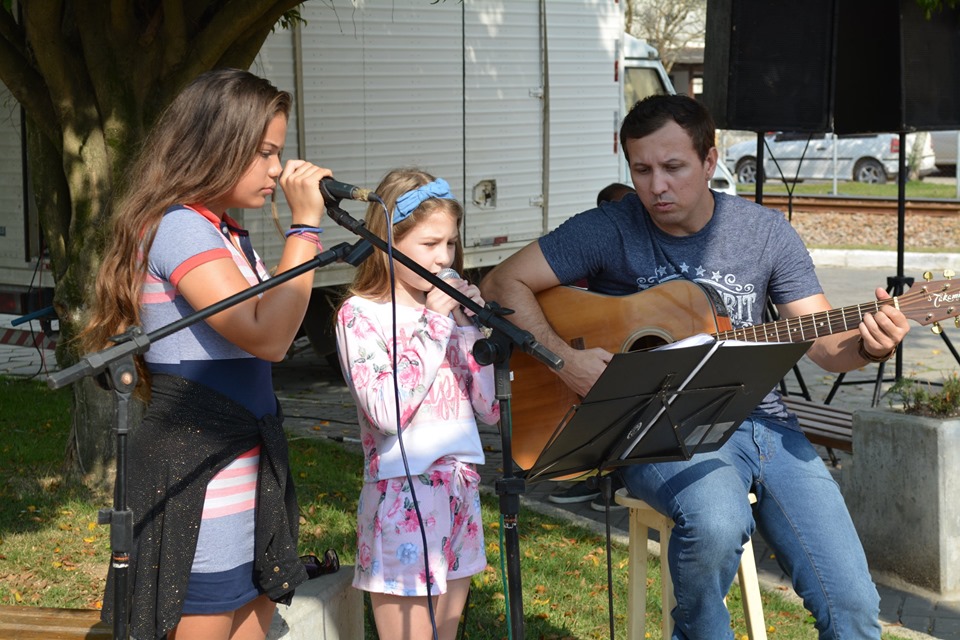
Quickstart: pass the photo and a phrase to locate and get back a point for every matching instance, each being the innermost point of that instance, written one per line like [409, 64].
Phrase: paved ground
[317, 404]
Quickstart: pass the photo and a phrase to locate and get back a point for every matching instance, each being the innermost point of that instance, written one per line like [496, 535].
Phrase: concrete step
[325, 608]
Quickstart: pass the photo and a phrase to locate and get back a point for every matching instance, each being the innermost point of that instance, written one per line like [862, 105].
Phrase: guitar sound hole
[646, 342]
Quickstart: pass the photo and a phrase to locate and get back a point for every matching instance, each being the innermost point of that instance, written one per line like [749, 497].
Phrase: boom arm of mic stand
[138, 343]
[490, 315]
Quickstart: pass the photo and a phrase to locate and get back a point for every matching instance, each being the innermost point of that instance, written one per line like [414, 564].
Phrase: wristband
[301, 228]
[310, 234]
[862, 351]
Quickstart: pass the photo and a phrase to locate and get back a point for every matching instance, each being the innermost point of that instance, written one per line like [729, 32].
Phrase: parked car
[872, 158]
[723, 180]
[945, 148]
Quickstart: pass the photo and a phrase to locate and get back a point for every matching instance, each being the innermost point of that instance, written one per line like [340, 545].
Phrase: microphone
[451, 274]
[448, 274]
[336, 191]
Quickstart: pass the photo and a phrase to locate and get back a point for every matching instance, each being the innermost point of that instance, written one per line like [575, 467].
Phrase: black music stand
[665, 404]
[654, 406]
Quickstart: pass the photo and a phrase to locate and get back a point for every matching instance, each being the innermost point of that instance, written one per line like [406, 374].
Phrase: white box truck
[26, 283]
[517, 104]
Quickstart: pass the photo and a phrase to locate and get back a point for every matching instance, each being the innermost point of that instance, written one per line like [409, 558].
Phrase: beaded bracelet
[862, 351]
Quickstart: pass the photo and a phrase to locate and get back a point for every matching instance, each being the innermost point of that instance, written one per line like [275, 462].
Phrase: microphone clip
[333, 192]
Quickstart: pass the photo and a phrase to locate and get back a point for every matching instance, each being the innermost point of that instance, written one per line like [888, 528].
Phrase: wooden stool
[644, 517]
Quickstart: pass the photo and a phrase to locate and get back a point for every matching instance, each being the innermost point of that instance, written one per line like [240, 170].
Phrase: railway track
[880, 206]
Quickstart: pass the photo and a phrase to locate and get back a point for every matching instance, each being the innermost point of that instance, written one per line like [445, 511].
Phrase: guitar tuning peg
[956, 321]
[928, 275]
[936, 328]
[949, 273]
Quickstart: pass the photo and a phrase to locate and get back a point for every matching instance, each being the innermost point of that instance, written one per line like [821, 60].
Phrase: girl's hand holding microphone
[300, 181]
[461, 315]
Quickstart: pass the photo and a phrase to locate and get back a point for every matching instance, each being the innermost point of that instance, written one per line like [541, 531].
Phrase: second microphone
[334, 191]
[451, 274]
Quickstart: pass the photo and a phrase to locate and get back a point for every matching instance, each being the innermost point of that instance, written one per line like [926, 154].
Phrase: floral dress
[436, 394]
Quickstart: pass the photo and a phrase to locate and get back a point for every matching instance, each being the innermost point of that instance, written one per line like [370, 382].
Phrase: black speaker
[768, 64]
[900, 72]
[849, 66]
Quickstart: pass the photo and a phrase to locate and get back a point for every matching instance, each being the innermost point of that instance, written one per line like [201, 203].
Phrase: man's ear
[710, 162]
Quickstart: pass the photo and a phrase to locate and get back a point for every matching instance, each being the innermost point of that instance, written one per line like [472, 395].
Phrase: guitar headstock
[931, 302]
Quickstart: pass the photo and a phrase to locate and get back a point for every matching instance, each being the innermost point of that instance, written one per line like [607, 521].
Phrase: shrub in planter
[924, 399]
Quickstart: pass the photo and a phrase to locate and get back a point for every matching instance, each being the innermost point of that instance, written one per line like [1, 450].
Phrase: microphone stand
[118, 361]
[494, 350]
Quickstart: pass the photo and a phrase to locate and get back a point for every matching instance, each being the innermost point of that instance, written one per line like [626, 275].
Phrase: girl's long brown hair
[372, 278]
[198, 150]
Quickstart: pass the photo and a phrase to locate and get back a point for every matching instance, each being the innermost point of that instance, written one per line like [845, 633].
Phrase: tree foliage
[931, 6]
[669, 26]
[91, 78]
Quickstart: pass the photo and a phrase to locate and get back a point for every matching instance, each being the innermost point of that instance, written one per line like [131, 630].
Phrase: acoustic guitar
[663, 314]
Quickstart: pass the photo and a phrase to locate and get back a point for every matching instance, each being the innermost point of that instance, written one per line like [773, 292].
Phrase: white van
[517, 104]
[945, 145]
[871, 158]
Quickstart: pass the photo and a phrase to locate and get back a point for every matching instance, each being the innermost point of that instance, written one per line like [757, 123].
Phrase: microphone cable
[396, 400]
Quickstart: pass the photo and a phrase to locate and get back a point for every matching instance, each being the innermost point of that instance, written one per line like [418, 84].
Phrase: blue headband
[409, 201]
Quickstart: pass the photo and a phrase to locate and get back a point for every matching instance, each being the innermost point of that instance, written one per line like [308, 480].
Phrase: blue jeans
[799, 512]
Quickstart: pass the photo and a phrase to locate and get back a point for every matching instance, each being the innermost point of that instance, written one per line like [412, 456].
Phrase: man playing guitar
[674, 227]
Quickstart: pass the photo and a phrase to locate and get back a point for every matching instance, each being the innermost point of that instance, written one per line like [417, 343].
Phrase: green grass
[52, 552]
[919, 189]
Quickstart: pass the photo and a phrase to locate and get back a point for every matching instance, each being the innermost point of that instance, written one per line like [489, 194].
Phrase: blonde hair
[372, 278]
[200, 147]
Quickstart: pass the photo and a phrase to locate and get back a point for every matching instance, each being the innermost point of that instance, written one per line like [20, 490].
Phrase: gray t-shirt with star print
[746, 252]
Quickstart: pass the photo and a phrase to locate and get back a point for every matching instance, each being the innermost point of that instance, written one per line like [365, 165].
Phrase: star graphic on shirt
[700, 272]
[684, 267]
[661, 271]
[715, 276]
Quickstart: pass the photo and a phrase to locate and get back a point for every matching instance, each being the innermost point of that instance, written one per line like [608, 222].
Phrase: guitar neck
[808, 327]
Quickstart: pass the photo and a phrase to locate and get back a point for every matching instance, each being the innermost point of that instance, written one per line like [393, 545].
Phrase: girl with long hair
[215, 513]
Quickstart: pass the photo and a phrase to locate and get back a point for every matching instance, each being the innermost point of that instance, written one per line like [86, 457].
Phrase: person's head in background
[613, 192]
[372, 278]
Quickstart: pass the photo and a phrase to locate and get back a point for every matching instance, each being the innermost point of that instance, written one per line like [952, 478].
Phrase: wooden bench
[823, 424]
[42, 623]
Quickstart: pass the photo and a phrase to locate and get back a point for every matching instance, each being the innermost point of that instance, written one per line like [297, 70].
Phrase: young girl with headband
[406, 352]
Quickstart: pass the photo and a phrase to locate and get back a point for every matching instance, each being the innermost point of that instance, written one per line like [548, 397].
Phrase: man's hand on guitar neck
[882, 331]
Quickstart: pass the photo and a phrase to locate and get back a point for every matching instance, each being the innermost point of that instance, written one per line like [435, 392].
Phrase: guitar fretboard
[808, 327]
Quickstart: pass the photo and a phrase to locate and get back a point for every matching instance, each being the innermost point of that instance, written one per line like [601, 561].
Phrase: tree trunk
[915, 155]
[89, 101]
[72, 215]
[92, 446]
